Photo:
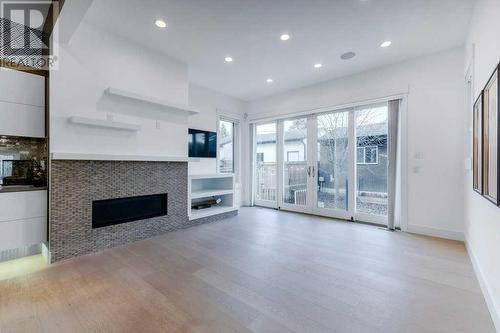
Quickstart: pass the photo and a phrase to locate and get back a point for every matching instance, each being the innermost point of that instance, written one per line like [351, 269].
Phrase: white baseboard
[441, 233]
[46, 252]
[485, 288]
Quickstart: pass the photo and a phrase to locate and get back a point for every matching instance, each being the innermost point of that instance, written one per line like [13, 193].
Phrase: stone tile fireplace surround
[76, 183]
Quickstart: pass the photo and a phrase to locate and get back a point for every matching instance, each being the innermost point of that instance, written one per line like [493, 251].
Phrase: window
[226, 146]
[260, 157]
[292, 156]
[367, 155]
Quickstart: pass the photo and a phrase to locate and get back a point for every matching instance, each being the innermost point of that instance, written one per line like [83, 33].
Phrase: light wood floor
[22, 266]
[264, 271]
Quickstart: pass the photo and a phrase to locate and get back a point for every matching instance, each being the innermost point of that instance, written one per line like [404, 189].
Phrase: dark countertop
[20, 188]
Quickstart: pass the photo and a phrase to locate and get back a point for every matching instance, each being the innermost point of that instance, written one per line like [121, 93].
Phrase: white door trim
[403, 186]
[259, 118]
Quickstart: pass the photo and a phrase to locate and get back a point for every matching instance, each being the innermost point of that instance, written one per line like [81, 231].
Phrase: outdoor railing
[266, 181]
[295, 188]
[295, 181]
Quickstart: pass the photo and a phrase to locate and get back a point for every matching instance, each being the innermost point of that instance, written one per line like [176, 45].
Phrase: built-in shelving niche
[211, 186]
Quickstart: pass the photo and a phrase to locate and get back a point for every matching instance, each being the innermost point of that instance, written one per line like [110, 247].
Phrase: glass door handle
[314, 175]
[309, 171]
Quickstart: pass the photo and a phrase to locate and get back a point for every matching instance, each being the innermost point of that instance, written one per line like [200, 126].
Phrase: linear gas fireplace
[116, 211]
[93, 203]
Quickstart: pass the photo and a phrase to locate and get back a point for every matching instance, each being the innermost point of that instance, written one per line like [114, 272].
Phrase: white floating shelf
[215, 175]
[106, 157]
[94, 122]
[206, 194]
[198, 214]
[169, 107]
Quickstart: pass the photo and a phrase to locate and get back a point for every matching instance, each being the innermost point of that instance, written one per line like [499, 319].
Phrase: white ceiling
[202, 32]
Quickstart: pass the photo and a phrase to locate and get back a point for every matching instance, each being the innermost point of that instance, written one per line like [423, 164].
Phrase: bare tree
[333, 137]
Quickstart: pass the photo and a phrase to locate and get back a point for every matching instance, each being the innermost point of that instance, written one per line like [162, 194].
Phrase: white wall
[211, 104]
[482, 219]
[94, 60]
[435, 105]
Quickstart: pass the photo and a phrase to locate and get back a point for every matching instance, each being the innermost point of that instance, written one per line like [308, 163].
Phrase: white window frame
[235, 119]
[364, 155]
[219, 157]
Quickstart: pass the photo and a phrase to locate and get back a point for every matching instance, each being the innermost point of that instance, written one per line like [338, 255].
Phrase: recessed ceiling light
[269, 80]
[161, 24]
[318, 65]
[228, 59]
[285, 37]
[387, 43]
[347, 55]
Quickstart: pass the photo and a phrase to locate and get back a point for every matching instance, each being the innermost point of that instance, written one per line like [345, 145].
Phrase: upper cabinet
[22, 104]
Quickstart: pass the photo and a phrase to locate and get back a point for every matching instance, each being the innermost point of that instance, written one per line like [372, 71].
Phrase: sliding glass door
[333, 159]
[372, 164]
[332, 164]
[266, 162]
[295, 167]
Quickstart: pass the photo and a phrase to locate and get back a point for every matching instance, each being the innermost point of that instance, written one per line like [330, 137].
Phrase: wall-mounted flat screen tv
[202, 144]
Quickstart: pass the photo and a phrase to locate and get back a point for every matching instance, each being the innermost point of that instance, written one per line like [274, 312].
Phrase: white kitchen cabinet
[22, 88]
[23, 219]
[21, 233]
[22, 120]
[22, 100]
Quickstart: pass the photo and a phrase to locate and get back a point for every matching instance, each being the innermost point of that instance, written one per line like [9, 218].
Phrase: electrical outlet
[418, 156]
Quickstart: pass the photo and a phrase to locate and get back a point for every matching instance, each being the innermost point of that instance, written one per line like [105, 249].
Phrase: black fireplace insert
[116, 211]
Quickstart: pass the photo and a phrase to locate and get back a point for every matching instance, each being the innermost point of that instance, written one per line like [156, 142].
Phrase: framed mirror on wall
[477, 145]
[491, 144]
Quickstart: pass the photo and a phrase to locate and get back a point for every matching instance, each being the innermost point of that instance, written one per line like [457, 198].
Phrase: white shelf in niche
[209, 193]
[168, 106]
[198, 214]
[95, 122]
[219, 186]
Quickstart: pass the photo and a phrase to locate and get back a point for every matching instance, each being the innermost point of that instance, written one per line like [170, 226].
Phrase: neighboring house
[371, 158]
[294, 150]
